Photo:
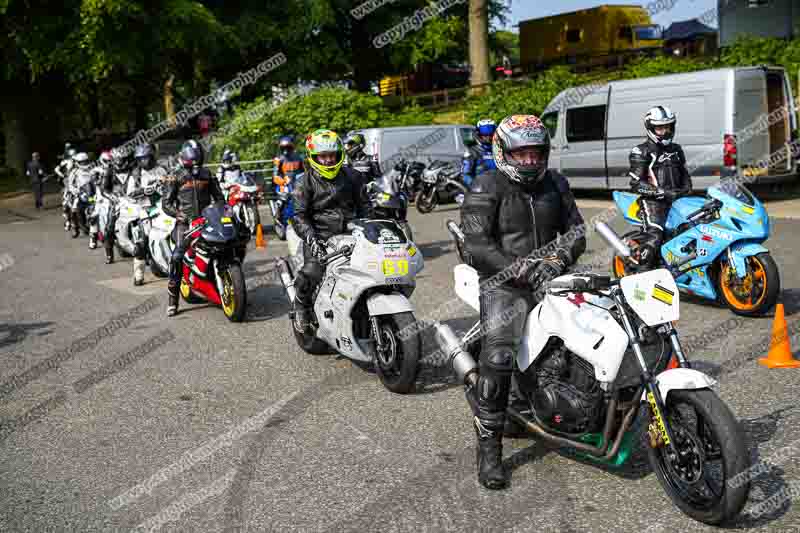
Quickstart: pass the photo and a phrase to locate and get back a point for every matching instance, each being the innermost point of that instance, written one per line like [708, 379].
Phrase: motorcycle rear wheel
[398, 372]
[424, 205]
[234, 297]
[715, 435]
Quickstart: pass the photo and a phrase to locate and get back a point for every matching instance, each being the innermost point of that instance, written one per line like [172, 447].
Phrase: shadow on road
[11, 334]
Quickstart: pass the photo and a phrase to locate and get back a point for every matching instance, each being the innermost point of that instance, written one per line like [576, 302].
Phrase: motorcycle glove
[316, 246]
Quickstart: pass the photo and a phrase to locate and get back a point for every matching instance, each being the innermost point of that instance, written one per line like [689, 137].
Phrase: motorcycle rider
[328, 197]
[188, 193]
[479, 157]
[114, 188]
[509, 214]
[81, 179]
[359, 160]
[659, 175]
[287, 164]
[143, 184]
[229, 167]
[63, 170]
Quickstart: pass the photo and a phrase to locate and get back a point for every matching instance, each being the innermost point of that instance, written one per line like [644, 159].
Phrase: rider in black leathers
[512, 215]
[191, 190]
[358, 159]
[658, 173]
[326, 200]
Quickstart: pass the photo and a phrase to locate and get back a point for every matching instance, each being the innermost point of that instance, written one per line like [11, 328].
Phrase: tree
[479, 41]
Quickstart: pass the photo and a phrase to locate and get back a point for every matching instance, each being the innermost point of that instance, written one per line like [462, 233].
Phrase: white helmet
[660, 116]
[82, 159]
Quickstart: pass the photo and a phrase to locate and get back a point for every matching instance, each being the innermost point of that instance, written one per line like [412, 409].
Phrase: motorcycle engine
[568, 397]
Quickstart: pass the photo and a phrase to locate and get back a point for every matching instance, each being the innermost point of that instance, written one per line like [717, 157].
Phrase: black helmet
[354, 144]
[515, 133]
[286, 145]
[192, 154]
[145, 156]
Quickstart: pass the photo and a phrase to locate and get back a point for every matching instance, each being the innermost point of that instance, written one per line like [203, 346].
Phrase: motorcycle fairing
[653, 296]
[582, 323]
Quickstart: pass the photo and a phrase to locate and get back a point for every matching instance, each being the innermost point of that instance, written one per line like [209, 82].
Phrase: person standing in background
[35, 172]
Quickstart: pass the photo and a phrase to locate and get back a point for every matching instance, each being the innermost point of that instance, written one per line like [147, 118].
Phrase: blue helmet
[484, 132]
[286, 144]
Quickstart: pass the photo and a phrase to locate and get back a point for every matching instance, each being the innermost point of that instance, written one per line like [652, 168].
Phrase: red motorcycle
[212, 264]
[243, 195]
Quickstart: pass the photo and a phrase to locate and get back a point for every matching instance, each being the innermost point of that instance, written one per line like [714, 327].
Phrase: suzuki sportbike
[243, 195]
[726, 230]
[212, 264]
[439, 180]
[601, 370]
[362, 308]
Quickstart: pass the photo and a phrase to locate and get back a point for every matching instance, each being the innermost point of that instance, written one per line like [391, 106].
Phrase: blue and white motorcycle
[725, 230]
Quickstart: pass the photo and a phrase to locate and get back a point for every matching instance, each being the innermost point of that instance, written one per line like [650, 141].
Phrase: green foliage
[657, 66]
[749, 51]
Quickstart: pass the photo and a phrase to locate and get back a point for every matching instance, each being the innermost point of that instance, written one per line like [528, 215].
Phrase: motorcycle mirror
[611, 238]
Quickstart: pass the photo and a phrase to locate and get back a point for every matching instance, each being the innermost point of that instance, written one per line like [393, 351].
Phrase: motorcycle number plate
[653, 296]
[395, 267]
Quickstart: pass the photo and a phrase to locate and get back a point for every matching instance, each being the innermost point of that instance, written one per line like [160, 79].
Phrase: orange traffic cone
[780, 350]
[260, 237]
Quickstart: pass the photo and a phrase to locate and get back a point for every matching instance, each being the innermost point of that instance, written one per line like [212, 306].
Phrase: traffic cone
[260, 237]
[780, 350]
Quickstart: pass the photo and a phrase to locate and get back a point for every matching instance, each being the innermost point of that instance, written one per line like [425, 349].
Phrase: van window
[416, 143]
[467, 136]
[586, 123]
[574, 36]
[551, 121]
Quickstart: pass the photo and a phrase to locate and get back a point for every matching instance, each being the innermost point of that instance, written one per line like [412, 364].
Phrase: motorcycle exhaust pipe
[464, 365]
[286, 278]
[611, 238]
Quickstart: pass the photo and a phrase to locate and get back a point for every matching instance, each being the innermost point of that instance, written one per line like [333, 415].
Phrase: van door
[551, 122]
[583, 156]
[750, 118]
[779, 96]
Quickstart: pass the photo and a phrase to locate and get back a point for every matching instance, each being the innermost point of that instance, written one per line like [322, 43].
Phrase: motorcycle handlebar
[334, 255]
[591, 282]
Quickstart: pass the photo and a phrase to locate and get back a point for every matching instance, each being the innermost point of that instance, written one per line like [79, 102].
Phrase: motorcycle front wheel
[702, 479]
[757, 292]
[397, 367]
[426, 202]
[234, 293]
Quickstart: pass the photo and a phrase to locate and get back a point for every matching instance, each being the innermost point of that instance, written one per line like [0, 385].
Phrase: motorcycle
[212, 264]
[725, 230]
[282, 207]
[438, 180]
[408, 175]
[601, 368]
[243, 195]
[386, 200]
[362, 307]
[160, 243]
[133, 221]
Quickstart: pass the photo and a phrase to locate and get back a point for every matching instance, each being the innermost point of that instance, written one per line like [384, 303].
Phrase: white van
[731, 122]
[445, 142]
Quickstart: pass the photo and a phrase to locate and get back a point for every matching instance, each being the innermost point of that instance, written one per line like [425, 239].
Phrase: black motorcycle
[408, 175]
[440, 180]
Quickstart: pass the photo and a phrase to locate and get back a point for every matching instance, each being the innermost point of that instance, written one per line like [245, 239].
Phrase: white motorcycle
[362, 305]
[243, 195]
[601, 368]
[133, 222]
[160, 243]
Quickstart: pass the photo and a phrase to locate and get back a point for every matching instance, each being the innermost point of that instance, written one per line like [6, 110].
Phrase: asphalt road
[113, 417]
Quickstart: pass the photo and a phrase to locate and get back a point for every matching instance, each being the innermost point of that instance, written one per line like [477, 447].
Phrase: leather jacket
[654, 167]
[365, 164]
[189, 193]
[323, 207]
[502, 221]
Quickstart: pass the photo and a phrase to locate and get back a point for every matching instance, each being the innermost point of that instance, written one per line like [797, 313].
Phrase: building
[759, 18]
[690, 38]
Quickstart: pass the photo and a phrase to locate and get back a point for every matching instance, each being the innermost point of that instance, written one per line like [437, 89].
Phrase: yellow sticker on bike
[663, 295]
[395, 267]
[225, 219]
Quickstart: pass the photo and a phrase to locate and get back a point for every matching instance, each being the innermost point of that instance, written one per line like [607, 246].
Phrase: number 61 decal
[392, 267]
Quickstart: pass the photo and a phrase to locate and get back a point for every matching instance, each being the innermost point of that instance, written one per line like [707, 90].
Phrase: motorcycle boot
[513, 428]
[493, 390]
[138, 271]
[302, 317]
[76, 225]
[109, 255]
[172, 305]
[93, 230]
